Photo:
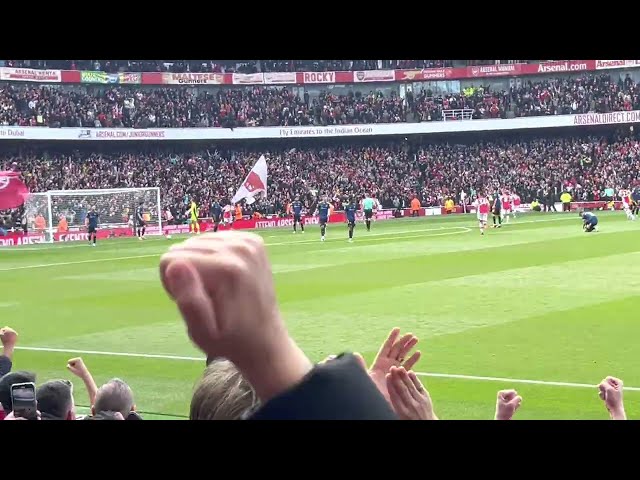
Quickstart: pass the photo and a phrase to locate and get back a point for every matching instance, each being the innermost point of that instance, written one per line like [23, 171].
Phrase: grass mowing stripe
[78, 262]
[381, 236]
[281, 231]
[423, 374]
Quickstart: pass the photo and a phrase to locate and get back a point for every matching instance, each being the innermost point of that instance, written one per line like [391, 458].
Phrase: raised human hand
[393, 353]
[223, 286]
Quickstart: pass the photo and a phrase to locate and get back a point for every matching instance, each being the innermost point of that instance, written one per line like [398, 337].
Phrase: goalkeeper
[589, 222]
[194, 226]
[92, 225]
[141, 224]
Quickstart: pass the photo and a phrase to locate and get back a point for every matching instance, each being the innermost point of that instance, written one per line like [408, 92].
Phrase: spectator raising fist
[508, 402]
[410, 400]
[610, 391]
[9, 338]
[210, 277]
[80, 370]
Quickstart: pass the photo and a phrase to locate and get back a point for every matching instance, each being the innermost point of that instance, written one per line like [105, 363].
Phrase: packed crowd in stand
[229, 66]
[180, 107]
[394, 171]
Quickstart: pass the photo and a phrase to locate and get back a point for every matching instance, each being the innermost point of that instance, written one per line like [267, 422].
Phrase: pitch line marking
[422, 374]
[516, 380]
[111, 354]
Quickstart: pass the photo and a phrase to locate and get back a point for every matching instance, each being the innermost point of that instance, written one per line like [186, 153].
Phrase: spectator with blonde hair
[222, 394]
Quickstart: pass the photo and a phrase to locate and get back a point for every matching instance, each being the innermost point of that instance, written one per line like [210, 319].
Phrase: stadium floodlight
[116, 207]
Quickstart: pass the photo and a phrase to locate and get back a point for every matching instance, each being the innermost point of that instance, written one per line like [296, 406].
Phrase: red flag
[13, 191]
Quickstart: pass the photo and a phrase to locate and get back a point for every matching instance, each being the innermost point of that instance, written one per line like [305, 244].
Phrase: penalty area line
[422, 374]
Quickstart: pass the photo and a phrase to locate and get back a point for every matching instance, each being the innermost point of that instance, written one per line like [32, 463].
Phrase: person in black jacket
[209, 278]
[550, 200]
[337, 390]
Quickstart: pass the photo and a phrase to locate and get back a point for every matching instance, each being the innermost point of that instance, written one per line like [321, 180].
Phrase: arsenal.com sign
[567, 66]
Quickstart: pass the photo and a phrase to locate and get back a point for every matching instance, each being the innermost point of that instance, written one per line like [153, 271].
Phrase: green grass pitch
[536, 300]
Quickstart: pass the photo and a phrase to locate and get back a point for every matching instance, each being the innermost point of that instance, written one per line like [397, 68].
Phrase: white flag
[255, 182]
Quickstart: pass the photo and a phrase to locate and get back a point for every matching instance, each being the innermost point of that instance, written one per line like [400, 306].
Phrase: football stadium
[444, 239]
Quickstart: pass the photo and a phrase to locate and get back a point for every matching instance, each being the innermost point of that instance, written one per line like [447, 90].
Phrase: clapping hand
[409, 398]
[393, 353]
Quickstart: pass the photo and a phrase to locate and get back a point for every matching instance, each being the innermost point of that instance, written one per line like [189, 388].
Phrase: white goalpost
[116, 208]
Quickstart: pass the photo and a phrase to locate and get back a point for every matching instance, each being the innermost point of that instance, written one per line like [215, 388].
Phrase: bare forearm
[7, 351]
[5, 365]
[277, 374]
[503, 415]
[92, 388]
[618, 414]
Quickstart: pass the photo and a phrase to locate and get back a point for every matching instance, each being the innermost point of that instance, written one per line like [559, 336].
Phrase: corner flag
[255, 182]
[13, 191]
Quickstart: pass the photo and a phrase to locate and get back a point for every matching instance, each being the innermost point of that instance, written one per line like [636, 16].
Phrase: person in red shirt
[482, 208]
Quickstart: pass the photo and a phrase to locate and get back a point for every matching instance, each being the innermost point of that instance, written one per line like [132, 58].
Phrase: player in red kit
[506, 206]
[227, 215]
[482, 208]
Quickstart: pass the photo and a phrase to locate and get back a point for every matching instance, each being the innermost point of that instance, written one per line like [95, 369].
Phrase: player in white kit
[625, 195]
[515, 203]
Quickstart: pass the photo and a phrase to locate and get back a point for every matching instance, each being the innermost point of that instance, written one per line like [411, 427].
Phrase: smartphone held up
[23, 396]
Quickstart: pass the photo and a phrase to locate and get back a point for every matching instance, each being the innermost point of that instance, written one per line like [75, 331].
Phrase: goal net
[60, 215]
